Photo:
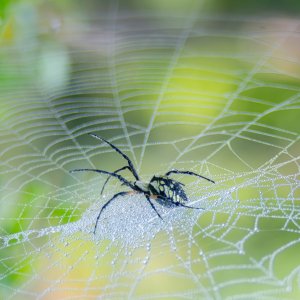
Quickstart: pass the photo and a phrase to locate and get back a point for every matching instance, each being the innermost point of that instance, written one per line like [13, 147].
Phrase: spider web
[218, 96]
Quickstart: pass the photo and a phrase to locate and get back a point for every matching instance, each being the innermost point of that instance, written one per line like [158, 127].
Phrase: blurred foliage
[91, 7]
[258, 7]
[4, 4]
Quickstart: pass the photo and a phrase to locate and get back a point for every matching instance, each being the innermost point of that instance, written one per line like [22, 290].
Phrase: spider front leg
[106, 204]
[122, 179]
[108, 178]
[130, 164]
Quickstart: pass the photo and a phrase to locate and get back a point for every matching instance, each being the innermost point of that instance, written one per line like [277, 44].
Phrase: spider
[166, 191]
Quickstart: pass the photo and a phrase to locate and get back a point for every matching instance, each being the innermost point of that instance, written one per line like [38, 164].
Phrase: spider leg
[122, 179]
[107, 179]
[187, 206]
[188, 173]
[130, 164]
[152, 205]
[179, 182]
[106, 204]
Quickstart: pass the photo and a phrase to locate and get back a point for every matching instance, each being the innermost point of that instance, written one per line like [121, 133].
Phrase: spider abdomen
[168, 192]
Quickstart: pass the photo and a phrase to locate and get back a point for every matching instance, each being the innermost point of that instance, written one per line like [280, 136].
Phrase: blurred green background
[211, 86]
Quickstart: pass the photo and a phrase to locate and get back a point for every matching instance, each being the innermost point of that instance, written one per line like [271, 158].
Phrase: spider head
[143, 186]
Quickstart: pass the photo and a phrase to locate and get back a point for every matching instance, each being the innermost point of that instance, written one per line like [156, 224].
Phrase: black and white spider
[166, 191]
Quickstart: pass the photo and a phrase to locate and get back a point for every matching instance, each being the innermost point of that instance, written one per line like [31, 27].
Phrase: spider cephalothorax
[164, 190]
